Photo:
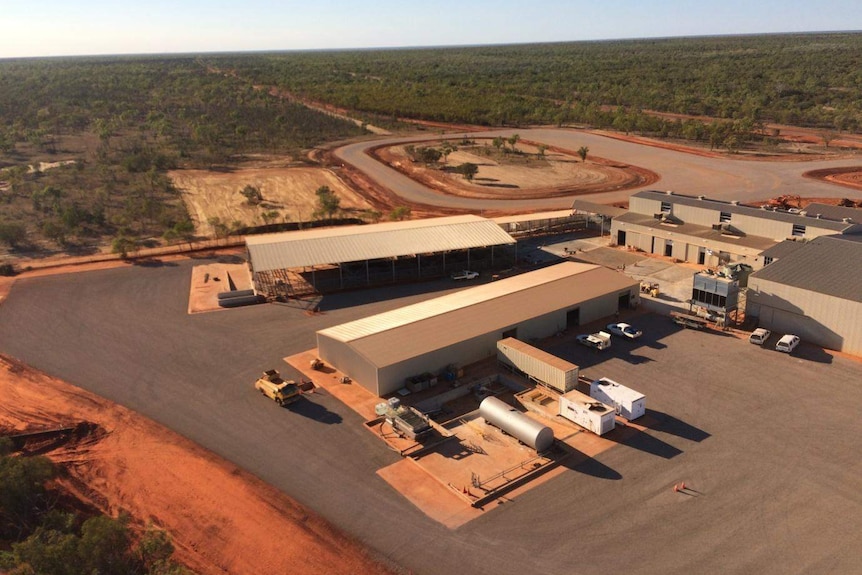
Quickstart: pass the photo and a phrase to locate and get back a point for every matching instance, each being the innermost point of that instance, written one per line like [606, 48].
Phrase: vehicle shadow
[665, 423]
[812, 353]
[307, 408]
[642, 441]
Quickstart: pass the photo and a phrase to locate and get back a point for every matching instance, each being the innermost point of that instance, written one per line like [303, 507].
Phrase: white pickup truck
[598, 340]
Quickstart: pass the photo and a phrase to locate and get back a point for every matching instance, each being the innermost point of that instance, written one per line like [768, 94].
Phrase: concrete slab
[209, 280]
[440, 503]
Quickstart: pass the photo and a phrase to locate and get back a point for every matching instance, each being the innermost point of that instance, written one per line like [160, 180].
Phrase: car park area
[730, 419]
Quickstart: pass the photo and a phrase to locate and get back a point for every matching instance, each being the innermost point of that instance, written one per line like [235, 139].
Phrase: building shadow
[665, 423]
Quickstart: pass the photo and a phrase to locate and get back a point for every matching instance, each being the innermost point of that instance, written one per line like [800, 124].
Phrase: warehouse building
[381, 352]
[814, 291]
[330, 259]
[712, 232]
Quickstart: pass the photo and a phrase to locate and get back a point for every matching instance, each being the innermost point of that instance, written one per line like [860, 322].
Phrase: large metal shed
[813, 292]
[382, 351]
[338, 258]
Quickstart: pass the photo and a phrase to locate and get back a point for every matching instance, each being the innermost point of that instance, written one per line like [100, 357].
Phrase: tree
[22, 491]
[252, 195]
[400, 213]
[122, 245]
[468, 170]
[827, 137]
[541, 149]
[12, 234]
[498, 142]
[447, 148]
[269, 216]
[513, 141]
[582, 152]
[327, 202]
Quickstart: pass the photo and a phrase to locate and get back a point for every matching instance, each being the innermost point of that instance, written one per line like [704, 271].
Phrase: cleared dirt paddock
[288, 192]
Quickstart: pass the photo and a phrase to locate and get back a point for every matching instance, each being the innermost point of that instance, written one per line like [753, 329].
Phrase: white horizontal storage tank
[537, 364]
[628, 403]
[528, 431]
[587, 412]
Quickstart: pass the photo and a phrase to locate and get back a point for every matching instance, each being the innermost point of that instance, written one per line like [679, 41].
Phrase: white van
[787, 343]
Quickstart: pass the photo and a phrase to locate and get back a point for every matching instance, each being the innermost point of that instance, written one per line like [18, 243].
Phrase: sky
[84, 27]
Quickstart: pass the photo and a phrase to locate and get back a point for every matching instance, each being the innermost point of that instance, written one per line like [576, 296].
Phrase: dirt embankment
[850, 176]
[222, 519]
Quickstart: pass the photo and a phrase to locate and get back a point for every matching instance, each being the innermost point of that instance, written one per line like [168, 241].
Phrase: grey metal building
[382, 351]
[711, 232]
[814, 292]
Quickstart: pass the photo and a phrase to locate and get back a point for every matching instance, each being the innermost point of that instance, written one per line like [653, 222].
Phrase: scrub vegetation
[126, 121]
[800, 79]
[121, 123]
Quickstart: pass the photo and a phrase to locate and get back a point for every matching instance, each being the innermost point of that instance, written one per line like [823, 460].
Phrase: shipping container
[538, 365]
[627, 402]
[587, 412]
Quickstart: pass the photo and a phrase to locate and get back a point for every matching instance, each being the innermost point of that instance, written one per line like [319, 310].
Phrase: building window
[767, 260]
[665, 207]
[798, 230]
[724, 217]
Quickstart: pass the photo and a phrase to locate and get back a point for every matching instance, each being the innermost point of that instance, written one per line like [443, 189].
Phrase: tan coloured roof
[357, 243]
[539, 354]
[390, 337]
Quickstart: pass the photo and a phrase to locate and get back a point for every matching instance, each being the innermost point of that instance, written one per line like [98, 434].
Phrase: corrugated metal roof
[828, 264]
[833, 212]
[782, 249]
[537, 217]
[410, 331]
[594, 208]
[826, 223]
[696, 231]
[357, 243]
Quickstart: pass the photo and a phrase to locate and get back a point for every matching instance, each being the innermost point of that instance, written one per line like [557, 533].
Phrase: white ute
[624, 330]
[599, 340]
[465, 275]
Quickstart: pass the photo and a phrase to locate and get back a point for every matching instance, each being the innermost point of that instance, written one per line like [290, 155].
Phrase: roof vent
[803, 213]
[701, 197]
[818, 216]
[668, 192]
[847, 220]
[734, 202]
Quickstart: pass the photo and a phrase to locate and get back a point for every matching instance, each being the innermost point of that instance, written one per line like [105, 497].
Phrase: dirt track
[215, 512]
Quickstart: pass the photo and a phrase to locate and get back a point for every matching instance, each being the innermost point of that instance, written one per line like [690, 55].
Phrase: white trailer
[627, 402]
[587, 412]
[539, 365]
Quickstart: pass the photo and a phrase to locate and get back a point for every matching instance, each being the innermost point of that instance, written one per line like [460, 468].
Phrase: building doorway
[668, 248]
[623, 300]
[510, 333]
[573, 318]
[621, 237]
[701, 256]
